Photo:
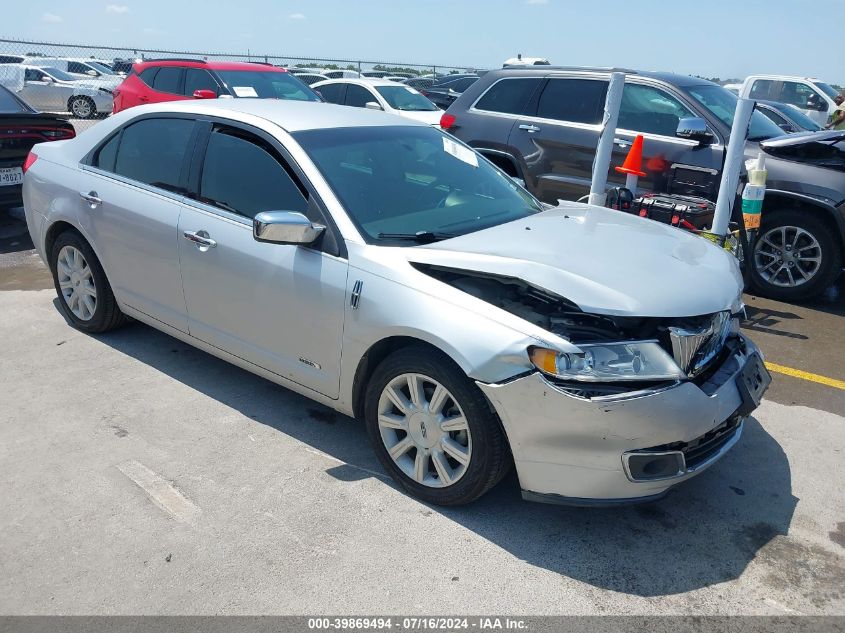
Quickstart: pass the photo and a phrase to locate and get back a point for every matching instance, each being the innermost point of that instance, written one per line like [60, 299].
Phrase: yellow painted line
[805, 375]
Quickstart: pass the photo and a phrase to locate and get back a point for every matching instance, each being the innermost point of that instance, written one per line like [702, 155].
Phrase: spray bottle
[753, 194]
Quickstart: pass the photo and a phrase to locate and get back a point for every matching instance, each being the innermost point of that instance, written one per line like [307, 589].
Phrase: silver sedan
[386, 270]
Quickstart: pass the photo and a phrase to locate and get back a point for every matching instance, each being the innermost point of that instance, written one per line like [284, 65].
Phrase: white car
[78, 68]
[341, 74]
[811, 96]
[380, 94]
[53, 90]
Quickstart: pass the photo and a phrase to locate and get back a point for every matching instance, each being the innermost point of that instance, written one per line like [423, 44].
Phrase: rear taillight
[59, 133]
[30, 161]
[447, 121]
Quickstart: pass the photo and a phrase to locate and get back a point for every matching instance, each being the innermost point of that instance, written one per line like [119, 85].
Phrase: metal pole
[601, 164]
[734, 157]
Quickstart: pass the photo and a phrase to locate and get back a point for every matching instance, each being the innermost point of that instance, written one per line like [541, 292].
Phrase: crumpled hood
[605, 261]
[822, 149]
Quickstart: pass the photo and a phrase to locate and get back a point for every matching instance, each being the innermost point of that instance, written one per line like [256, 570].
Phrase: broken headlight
[608, 362]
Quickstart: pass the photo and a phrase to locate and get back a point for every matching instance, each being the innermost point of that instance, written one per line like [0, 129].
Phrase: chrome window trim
[109, 175]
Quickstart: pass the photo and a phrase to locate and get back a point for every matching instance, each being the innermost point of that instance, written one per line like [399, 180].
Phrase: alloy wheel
[787, 256]
[76, 282]
[424, 430]
[81, 108]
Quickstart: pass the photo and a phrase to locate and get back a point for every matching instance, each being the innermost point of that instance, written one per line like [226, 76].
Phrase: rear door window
[168, 79]
[573, 100]
[650, 110]
[333, 93]
[762, 89]
[509, 96]
[242, 174]
[152, 151]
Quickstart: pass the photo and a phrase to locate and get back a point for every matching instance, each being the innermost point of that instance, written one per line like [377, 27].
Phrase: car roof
[666, 77]
[783, 77]
[365, 81]
[210, 65]
[292, 116]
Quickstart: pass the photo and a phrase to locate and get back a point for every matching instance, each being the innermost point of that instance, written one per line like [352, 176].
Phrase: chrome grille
[693, 349]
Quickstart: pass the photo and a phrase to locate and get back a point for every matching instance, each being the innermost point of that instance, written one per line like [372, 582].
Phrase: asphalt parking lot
[143, 476]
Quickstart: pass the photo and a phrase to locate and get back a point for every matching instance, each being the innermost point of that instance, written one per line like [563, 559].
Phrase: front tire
[82, 107]
[795, 256]
[85, 296]
[432, 428]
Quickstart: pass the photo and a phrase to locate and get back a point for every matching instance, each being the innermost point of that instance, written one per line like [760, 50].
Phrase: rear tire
[82, 107]
[448, 449]
[795, 256]
[85, 296]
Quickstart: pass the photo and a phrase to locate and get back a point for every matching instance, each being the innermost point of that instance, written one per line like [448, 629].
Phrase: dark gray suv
[543, 124]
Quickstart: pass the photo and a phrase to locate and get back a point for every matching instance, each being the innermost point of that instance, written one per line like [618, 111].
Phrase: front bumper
[578, 451]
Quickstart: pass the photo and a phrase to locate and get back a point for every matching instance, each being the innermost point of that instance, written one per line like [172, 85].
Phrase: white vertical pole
[601, 164]
[734, 158]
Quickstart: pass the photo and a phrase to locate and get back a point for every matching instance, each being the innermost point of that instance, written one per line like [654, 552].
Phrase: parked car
[811, 96]
[160, 80]
[341, 74]
[734, 88]
[53, 90]
[445, 90]
[78, 68]
[788, 118]
[375, 74]
[309, 79]
[542, 124]
[124, 66]
[380, 94]
[12, 59]
[477, 325]
[21, 127]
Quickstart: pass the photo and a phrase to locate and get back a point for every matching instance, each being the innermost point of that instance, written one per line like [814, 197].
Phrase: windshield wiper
[423, 237]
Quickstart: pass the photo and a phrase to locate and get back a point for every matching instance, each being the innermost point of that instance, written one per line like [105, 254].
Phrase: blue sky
[712, 38]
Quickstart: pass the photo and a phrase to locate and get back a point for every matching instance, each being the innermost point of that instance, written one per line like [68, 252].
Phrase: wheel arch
[61, 226]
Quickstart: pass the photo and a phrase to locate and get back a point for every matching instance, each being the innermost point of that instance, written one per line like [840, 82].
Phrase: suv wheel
[432, 428]
[795, 255]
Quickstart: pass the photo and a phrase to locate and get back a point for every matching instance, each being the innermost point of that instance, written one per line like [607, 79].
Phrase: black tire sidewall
[490, 456]
[99, 321]
[831, 255]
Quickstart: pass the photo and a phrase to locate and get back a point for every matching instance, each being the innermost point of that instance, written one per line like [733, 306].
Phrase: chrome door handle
[91, 198]
[199, 239]
[529, 128]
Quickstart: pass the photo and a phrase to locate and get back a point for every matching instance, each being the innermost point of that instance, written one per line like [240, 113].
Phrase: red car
[174, 79]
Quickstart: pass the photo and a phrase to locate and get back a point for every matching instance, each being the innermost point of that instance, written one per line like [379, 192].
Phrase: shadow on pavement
[704, 533]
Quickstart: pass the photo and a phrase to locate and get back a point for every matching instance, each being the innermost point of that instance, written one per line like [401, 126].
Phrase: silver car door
[131, 194]
[38, 91]
[278, 306]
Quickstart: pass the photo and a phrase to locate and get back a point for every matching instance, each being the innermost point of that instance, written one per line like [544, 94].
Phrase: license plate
[11, 176]
[752, 383]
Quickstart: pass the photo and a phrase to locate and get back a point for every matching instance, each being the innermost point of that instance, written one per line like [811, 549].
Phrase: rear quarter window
[152, 151]
[509, 96]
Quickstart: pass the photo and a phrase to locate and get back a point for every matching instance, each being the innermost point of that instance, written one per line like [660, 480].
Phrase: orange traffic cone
[633, 164]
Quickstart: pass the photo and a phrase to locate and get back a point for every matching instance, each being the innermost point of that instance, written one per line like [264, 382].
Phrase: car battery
[686, 212]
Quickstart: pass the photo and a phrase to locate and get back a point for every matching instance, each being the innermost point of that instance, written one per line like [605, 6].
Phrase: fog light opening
[654, 466]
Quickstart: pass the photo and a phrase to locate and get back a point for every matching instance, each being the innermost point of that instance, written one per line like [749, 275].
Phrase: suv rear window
[168, 79]
[573, 100]
[509, 96]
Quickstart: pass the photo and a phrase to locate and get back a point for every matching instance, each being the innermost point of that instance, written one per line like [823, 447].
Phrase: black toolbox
[687, 212]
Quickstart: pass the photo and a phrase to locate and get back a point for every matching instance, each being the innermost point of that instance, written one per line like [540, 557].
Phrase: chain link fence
[123, 56]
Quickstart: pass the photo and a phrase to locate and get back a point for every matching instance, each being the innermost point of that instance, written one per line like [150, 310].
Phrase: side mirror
[694, 129]
[372, 105]
[92, 73]
[204, 93]
[47, 79]
[285, 227]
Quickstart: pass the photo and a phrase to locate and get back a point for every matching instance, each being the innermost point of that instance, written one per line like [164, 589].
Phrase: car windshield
[59, 75]
[101, 68]
[722, 103]
[799, 118]
[829, 90]
[397, 182]
[405, 98]
[266, 85]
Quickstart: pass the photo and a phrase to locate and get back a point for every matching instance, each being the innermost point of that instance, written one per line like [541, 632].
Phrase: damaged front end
[618, 354]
